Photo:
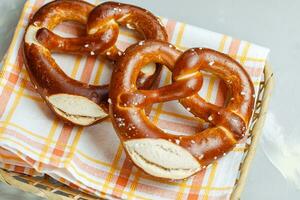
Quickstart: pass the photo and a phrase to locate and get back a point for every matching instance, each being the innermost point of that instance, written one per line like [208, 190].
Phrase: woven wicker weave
[48, 188]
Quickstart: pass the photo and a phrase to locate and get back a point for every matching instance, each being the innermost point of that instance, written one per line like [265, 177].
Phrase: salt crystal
[211, 63]
[92, 53]
[210, 118]
[109, 101]
[129, 26]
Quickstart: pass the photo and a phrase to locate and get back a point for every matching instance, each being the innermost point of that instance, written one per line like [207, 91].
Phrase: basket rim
[256, 133]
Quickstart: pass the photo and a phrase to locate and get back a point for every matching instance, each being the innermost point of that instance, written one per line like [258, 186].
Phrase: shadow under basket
[50, 189]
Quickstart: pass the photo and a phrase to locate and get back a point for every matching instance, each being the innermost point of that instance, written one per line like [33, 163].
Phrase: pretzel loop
[177, 90]
[238, 109]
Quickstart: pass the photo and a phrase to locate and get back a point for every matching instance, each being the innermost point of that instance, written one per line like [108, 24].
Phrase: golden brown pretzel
[102, 33]
[103, 29]
[73, 101]
[164, 155]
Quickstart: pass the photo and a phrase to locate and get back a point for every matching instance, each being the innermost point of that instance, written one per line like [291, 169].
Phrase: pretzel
[162, 154]
[102, 33]
[71, 100]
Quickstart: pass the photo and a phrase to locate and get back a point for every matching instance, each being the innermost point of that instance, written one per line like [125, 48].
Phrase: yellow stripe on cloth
[182, 188]
[134, 184]
[17, 92]
[112, 169]
[13, 108]
[76, 66]
[210, 180]
[46, 147]
[99, 71]
[245, 52]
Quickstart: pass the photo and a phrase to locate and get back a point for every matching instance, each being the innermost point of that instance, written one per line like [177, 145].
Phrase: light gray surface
[273, 24]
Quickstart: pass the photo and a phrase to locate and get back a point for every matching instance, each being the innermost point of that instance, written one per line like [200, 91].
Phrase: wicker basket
[48, 188]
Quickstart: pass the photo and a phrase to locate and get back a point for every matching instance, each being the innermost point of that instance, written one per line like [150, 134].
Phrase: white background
[271, 23]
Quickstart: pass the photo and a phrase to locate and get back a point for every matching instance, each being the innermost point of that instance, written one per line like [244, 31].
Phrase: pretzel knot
[164, 155]
[73, 101]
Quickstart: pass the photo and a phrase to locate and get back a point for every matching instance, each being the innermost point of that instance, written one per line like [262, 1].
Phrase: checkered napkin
[33, 141]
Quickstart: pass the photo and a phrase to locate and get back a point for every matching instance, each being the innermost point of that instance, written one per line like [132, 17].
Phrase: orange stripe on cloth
[88, 69]
[234, 47]
[62, 141]
[170, 27]
[196, 185]
[123, 177]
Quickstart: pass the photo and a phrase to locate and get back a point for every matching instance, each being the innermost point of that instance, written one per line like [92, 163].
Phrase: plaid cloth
[33, 141]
